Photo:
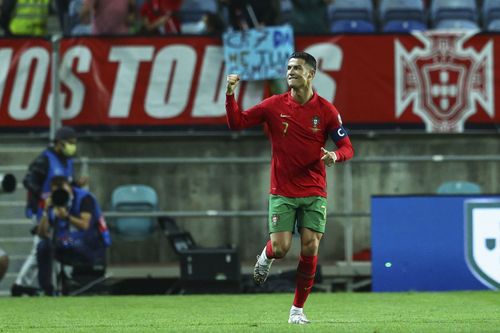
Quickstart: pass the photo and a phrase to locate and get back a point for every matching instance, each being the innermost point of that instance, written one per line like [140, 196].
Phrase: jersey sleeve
[339, 135]
[237, 119]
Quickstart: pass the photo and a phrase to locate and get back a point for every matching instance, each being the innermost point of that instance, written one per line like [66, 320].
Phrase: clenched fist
[232, 82]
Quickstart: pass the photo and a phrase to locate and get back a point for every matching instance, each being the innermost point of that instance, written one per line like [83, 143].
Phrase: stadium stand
[403, 26]
[286, 11]
[351, 10]
[402, 16]
[490, 12]
[134, 198]
[352, 26]
[457, 25]
[405, 10]
[193, 10]
[351, 16]
[388, 16]
[494, 26]
[453, 10]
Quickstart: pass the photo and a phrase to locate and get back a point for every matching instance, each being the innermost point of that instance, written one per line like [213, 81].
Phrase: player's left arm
[338, 133]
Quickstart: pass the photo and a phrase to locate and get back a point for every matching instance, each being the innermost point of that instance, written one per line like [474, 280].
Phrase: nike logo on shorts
[282, 115]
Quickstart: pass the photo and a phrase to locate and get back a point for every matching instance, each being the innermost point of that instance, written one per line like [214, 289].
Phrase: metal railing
[348, 214]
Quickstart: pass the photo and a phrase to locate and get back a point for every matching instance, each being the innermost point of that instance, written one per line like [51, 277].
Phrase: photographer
[72, 230]
[56, 160]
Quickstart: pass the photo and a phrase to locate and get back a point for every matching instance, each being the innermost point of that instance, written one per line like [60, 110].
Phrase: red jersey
[297, 133]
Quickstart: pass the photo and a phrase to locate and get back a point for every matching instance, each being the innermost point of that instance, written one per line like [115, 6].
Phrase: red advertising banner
[441, 82]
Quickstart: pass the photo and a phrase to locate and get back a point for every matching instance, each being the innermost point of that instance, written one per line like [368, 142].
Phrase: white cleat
[261, 271]
[298, 318]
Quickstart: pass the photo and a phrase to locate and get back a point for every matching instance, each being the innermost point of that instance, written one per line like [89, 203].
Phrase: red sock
[305, 279]
[269, 250]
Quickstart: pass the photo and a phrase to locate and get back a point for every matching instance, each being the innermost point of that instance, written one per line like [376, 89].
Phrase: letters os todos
[162, 82]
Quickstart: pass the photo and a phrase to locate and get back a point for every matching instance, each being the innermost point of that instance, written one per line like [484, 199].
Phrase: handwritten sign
[258, 54]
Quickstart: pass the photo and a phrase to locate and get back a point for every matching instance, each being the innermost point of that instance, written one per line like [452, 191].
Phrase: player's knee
[310, 247]
[280, 249]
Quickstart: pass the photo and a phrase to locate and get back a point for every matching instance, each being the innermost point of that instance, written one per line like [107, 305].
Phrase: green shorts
[308, 212]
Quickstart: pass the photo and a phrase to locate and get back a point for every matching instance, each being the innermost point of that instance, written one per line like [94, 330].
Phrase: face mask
[69, 149]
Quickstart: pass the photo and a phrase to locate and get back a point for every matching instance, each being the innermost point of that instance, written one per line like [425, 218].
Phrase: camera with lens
[61, 198]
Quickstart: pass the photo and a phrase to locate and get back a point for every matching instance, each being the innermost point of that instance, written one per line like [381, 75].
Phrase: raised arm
[236, 119]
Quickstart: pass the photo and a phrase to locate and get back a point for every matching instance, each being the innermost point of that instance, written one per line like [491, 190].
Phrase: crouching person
[72, 231]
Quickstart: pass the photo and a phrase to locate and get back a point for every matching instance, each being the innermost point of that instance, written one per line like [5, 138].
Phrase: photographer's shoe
[17, 290]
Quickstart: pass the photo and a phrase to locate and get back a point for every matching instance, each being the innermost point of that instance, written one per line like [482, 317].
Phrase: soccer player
[299, 123]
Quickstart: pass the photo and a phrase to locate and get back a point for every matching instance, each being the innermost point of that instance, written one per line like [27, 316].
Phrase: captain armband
[338, 134]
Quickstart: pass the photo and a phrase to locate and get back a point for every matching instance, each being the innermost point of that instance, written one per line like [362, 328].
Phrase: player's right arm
[236, 119]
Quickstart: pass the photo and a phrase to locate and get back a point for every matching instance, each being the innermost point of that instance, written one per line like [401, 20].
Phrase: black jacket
[36, 176]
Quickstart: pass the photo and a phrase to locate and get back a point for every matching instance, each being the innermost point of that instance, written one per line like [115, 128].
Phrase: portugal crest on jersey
[482, 239]
[443, 80]
[315, 123]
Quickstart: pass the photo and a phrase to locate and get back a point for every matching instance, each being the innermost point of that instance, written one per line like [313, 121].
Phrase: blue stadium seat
[193, 10]
[352, 26]
[404, 10]
[458, 187]
[491, 11]
[351, 10]
[494, 26]
[454, 9]
[456, 25]
[404, 26]
[134, 198]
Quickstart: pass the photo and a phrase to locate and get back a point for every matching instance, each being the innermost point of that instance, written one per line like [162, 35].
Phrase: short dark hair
[58, 181]
[309, 59]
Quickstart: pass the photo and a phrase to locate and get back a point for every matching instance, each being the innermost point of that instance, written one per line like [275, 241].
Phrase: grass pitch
[332, 312]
